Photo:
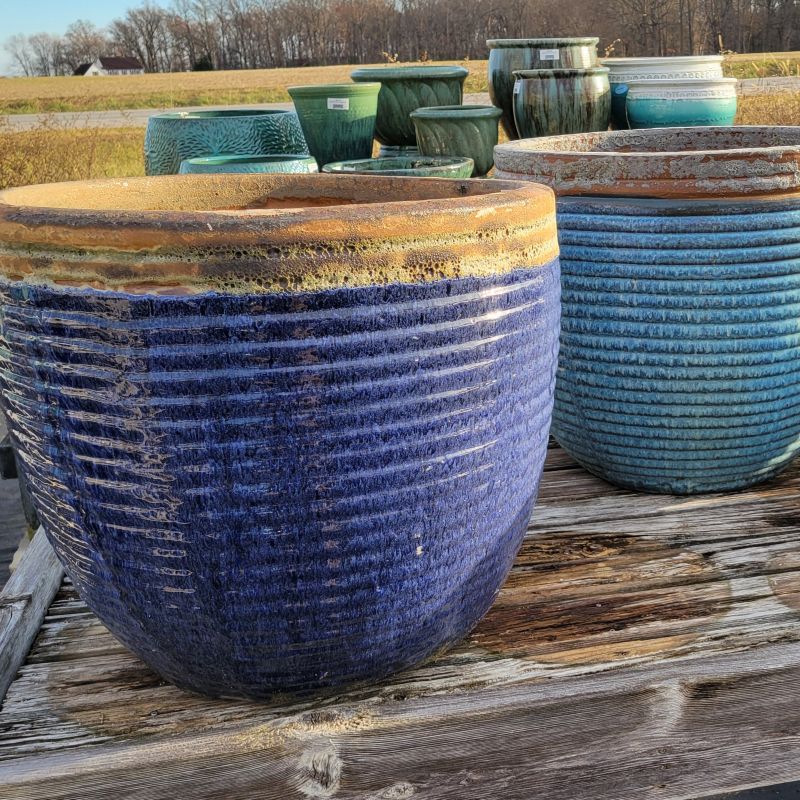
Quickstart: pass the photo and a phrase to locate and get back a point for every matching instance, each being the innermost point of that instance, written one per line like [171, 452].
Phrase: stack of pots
[281, 452]
[673, 91]
[548, 85]
[680, 344]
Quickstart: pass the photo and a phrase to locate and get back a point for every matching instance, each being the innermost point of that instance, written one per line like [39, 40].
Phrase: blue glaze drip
[280, 493]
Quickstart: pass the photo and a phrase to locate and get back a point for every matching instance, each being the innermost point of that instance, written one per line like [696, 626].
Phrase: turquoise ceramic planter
[507, 56]
[551, 102]
[644, 112]
[679, 368]
[408, 166]
[405, 89]
[338, 120]
[178, 135]
[247, 164]
[470, 131]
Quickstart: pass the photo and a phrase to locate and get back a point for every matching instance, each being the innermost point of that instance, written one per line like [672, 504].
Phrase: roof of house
[111, 62]
[81, 70]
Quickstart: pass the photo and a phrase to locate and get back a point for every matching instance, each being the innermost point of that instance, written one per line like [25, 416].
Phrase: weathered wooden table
[643, 647]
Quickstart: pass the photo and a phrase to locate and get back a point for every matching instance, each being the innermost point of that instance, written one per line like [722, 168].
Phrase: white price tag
[338, 104]
[549, 55]
[517, 87]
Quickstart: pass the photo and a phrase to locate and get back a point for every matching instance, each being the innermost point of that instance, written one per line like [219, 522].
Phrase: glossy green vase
[469, 131]
[338, 120]
[550, 102]
[290, 163]
[405, 89]
[407, 166]
[507, 56]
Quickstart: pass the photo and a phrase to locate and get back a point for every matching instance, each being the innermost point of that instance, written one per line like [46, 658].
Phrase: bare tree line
[250, 34]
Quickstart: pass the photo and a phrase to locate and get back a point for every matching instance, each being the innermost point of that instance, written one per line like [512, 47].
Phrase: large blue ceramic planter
[281, 452]
[679, 368]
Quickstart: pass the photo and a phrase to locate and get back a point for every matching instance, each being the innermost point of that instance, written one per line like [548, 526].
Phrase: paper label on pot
[517, 87]
[338, 104]
[548, 55]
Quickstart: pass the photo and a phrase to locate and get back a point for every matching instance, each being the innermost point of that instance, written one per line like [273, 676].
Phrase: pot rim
[432, 162]
[411, 71]
[640, 61]
[323, 89]
[575, 165]
[451, 112]
[219, 113]
[534, 74]
[264, 232]
[249, 158]
[563, 41]
[663, 82]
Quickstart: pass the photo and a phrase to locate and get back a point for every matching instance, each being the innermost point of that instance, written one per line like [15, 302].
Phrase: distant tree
[203, 64]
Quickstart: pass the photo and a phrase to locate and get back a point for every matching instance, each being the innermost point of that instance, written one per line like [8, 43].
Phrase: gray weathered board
[643, 647]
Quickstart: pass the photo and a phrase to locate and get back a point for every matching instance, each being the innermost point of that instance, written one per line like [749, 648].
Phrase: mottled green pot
[405, 89]
[507, 56]
[549, 102]
[408, 166]
[469, 131]
[176, 135]
[338, 119]
[249, 163]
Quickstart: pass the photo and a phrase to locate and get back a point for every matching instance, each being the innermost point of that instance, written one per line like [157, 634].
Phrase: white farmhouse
[111, 65]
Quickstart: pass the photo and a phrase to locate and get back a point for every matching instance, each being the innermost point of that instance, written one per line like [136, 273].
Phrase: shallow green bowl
[408, 166]
[290, 162]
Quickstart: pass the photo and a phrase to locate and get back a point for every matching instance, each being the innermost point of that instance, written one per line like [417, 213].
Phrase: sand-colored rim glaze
[660, 163]
[270, 232]
[408, 73]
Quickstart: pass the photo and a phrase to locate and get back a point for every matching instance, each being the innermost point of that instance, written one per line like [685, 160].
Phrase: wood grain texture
[643, 647]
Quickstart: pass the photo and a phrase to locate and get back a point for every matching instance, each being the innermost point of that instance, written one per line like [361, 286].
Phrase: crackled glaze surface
[172, 137]
[270, 490]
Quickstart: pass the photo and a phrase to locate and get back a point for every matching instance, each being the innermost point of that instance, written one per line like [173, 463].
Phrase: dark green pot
[205, 165]
[550, 102]
[405, 89]
[338, 119]
[507, 56]
[407, 166]
[469, 131]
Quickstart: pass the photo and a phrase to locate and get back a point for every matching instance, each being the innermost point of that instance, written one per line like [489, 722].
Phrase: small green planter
[205, 165]
[468, 131]
[405, 89]
[407, 166]
[338, 119]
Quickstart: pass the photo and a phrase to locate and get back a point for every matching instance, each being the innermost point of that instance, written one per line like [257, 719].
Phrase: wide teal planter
[407, 166]
[679, 368]
[684, 103]
[507, 56]
[288, 163]
[470, 131]
[405, 89]
[178, 135]
[338, 120]
[551, 102]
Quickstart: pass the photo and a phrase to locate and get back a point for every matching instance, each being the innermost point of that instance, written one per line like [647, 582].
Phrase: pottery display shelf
[643, 646]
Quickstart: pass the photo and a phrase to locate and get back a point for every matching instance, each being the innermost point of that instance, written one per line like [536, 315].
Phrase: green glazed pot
[338, 119]
[176, 135]
[291, 162]
[407, 166]
[550, 102]
[508, 56]
[468, 131]
[405, 89]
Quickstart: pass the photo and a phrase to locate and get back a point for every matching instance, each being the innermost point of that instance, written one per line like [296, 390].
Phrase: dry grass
[775, 108]
[165, 90]
[762, 65]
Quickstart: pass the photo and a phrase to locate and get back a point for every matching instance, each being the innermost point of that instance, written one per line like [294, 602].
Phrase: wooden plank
[23, 605]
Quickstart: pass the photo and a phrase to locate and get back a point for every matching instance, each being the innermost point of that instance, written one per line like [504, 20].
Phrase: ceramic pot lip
[539, 74]
[220, 113]
[642, 61]
[410, 72]
[397, 165]
[248, 158]
[685, 82]
[560, 41]
[334, 89]
[457, 112]
[697, 162]
[268, 232]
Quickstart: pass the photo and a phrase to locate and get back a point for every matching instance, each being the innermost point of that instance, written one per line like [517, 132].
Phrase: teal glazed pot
[507, 56]
[408, 166]
[405, 89]
[206, 165]
[281, 453]
[684, 103]
[680, 346]
[467, 131]
[177, 135]
[338, 120]
[557, 101]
